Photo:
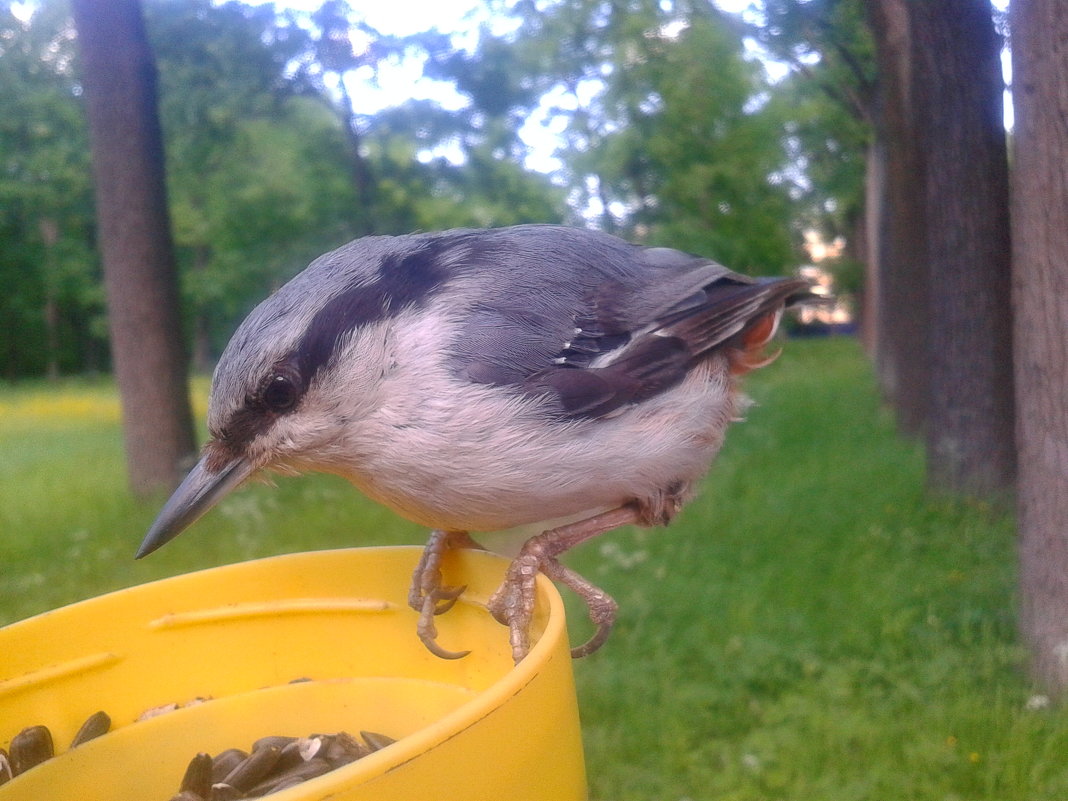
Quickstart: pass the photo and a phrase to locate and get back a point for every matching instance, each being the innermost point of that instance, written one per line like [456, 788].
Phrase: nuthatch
[481, 380]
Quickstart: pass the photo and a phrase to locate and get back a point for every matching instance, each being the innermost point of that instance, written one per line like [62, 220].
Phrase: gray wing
[592, 324]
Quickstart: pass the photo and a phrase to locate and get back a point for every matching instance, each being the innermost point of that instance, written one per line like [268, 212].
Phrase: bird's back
[553, 371]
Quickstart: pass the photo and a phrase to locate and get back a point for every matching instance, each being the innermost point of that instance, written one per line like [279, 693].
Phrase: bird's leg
[602, 606]
[513, 603]
[428, 596]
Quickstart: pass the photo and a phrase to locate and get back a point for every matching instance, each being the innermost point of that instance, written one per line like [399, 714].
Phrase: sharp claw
[448, 593]
[444, 601]
[499, 616]
[593, 643]
[428, 634]
[444, 598]
[443, 653]
[428, 597]
[442, 608]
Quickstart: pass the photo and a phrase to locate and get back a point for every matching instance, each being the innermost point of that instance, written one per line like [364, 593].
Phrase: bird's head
[298, 371]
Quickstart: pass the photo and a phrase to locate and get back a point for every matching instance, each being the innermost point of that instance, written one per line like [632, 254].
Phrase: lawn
[814, 626]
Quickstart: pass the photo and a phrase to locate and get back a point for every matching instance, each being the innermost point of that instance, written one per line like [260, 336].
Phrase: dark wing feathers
[729, 308]
[660, 356]
[605, 325]
[651, 365]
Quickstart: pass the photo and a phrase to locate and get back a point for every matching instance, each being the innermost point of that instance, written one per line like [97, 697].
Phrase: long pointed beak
[198, 492]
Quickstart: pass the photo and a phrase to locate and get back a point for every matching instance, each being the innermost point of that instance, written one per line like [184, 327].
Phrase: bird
[483, 380]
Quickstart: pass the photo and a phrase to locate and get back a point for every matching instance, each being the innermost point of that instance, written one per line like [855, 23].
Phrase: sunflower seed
[30, 747]
[274, 763]
[375, 740]
[343, 749]
[278, 740]
[309, 747]
[254, 769]
[225, 792]
[225, 762]
[97, 724]
[299, 773]
[197, 778]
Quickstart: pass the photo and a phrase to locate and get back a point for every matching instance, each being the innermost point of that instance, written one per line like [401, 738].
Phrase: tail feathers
[749, 354]
[741, 318]
[734, 317]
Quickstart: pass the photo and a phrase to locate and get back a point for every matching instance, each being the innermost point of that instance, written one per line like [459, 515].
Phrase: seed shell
[299, 773]
[375, 740]
[98, 723]
[225, 792]
[226, 761]
[197, 778]
[254, 769]
[30, 747]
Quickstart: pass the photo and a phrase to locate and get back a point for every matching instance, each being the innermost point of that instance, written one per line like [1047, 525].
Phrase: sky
[404, 80]
[462, 18]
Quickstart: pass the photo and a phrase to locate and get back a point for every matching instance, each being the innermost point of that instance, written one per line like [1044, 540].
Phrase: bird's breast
[483, 458]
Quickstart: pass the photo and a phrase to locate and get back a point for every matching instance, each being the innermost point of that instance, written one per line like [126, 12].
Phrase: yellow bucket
[234, 648]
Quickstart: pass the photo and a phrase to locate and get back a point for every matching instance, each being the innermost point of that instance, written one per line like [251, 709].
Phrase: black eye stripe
[406, 278]
[403, 280]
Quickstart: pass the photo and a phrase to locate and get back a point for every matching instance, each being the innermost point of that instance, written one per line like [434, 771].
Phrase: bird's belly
[497, 466]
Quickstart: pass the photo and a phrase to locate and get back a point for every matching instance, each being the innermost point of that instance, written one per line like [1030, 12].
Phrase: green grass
[69, 527]
[813, 626]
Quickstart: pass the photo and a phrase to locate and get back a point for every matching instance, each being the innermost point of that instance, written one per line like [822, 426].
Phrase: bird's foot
[513, 602]
[429, 596]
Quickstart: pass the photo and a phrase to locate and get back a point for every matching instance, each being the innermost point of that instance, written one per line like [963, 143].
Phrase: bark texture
[140, 278]
[957, 92]
[897, 229]
[1040, 288]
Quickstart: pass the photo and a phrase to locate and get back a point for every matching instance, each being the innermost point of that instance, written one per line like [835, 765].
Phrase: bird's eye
[280, 394]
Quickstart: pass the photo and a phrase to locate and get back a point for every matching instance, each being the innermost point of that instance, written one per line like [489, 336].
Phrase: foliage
[51, 306]
[262, 168]
[826, 145]
[714, 150]
[826, 103]
[665, 135]
[671, 135]
[255, 172]
[812, 627]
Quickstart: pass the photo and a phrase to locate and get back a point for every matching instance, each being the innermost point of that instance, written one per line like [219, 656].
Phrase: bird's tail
[739, 319]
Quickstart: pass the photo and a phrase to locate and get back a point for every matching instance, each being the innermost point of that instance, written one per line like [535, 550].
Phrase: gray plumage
[479, 380]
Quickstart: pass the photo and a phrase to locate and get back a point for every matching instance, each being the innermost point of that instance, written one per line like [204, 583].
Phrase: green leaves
[667, 138]
[46, 266]
[669, 132]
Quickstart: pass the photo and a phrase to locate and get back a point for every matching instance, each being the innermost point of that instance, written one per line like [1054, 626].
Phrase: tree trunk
[874, 181]
[134, 233]
[957, 91]
[899, 231]
[49, 230]
[1040, 287]
[363, 179]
